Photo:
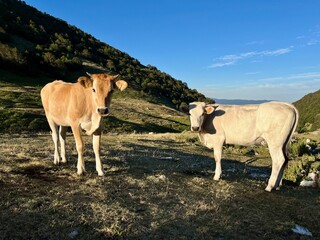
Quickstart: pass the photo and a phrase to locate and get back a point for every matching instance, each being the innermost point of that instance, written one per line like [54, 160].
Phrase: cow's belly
[84, 122]
[243, 140]
[241, 132]
[61, 121]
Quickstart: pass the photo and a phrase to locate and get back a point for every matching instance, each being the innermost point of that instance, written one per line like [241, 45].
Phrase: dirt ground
[157, 186]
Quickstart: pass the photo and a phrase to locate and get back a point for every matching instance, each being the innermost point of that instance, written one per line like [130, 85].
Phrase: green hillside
[38, 44]
[36, 48]
[309, 109]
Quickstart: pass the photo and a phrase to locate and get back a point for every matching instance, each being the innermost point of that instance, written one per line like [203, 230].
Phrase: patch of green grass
[16, 121]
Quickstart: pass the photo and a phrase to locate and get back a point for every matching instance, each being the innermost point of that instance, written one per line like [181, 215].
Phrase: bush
[298, 168]
[301, 147]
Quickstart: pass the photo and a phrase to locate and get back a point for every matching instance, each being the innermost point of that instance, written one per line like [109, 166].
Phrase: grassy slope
[21, 110]
[156, 187]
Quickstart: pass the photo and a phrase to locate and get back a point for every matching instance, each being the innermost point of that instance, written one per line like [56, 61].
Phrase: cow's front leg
[96, 148]
[217, 158]
[79, 144]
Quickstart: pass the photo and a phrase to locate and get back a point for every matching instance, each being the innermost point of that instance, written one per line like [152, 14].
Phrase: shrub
[298, 168]
[301, 147]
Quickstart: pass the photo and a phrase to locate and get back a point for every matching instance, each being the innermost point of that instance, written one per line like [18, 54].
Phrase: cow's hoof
[100, 173]
[81, 172]
[216, 178]
[56, 161]
[268, 189]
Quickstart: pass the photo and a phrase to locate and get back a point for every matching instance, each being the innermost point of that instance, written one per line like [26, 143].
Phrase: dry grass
[156, 187]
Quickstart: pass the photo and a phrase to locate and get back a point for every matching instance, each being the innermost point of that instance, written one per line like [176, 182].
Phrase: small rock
[307, 183]
[167, 158]
[313, 176]
[301, 230]
[73, 234]
[162, 178]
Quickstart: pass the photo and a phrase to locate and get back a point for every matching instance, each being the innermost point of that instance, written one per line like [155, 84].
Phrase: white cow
[273, 122]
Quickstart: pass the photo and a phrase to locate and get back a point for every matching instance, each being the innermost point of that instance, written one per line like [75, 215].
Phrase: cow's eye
[93, 90]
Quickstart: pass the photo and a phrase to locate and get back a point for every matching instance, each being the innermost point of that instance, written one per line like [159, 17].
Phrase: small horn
[116, 76]
[89, 74]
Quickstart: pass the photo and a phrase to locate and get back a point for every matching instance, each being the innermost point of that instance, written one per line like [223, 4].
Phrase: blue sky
[236, 49]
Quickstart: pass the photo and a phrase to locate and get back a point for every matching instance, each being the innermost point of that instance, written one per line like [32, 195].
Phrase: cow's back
[63, 101]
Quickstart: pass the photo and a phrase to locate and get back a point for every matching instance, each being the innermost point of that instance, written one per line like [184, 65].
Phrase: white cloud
[301, 76]
[222, 64]
[313, 42]
[288, 88]
[232, 59]
[276, 52]
[311, 38]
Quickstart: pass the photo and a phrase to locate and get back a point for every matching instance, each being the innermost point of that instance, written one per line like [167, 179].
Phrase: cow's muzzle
[103, 110]
[195, 129]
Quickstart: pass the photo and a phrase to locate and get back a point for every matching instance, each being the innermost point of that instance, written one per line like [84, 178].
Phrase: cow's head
[102, 86]
[197, 112]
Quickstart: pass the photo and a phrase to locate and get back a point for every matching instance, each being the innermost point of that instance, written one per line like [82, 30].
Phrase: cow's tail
[286, 146]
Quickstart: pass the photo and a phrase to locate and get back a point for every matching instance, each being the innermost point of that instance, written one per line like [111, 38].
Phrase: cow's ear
[121, 85]
[85, 81]
[210, 108]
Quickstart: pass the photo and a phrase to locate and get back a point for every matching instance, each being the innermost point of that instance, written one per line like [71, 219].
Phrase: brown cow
[79, 105]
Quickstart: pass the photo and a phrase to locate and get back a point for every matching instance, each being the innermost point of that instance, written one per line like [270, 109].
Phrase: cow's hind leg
[284, 151]
[278, 164]
[55, 138]
[79, 144]
[62, 139]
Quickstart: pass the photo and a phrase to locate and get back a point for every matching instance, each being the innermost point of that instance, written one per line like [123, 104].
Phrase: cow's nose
[195, 129]
[103, 110]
